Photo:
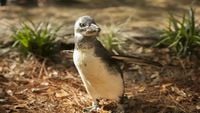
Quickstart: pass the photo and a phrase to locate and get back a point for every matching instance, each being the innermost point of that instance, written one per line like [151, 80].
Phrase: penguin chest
[99, 81]
[87, 63]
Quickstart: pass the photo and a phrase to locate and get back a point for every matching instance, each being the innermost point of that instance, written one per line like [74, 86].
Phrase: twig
[42, 68]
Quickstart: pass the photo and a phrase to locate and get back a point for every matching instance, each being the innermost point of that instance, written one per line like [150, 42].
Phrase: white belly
[98, 80]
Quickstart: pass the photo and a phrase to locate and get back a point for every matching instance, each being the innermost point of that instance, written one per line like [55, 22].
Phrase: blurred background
[142, 17]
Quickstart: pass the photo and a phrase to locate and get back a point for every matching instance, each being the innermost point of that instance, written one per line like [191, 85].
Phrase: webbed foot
[94, 108]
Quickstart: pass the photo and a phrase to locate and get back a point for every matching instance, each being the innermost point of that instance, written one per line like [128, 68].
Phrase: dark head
[85, 26]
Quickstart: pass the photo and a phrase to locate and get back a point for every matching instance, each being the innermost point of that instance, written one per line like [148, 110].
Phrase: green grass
[37, 39]
[181, 36]
[112, 39]
[111, 42]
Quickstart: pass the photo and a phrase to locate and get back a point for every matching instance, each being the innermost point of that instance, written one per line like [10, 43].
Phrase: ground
[30, 85]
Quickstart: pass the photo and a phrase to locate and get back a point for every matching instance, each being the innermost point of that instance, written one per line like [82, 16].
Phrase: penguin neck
[84, 42]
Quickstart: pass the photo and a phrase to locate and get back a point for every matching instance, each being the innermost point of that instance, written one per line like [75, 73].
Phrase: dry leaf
[178, 91]
[141, 89]
[39, 89]
[61, 93]
[198, 107]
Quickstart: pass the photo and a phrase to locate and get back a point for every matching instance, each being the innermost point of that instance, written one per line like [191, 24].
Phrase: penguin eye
[82, 25]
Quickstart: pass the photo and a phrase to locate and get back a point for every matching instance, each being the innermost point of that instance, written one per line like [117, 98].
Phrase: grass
[111, 38]
[181, 36]
[37, 39]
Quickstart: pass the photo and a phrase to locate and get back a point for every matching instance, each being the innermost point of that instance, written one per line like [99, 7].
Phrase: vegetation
[181, 36]
[37, 39]
[111, 39]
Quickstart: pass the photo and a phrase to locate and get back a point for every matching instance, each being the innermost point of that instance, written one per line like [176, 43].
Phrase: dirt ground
[29, 85]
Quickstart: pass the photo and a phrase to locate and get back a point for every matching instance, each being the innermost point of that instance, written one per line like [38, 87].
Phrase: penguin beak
[92, 30]
[95, 27]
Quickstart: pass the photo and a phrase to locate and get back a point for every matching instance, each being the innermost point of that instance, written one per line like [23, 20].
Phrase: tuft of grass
[37, 39]
[181, 36]
[111, 38]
